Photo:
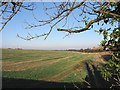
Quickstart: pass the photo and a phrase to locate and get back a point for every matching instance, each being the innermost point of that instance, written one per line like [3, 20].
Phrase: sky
[55, 40]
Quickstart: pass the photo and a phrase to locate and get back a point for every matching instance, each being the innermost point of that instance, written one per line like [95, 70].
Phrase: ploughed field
[47, 65]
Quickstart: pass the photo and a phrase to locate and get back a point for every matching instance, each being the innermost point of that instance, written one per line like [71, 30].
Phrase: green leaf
[98, 23]
[92, 26]
[102, 24]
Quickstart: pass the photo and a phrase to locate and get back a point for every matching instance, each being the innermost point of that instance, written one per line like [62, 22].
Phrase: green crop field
[47, 65]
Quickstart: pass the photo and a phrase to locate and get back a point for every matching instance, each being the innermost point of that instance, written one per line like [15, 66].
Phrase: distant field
[57, 66]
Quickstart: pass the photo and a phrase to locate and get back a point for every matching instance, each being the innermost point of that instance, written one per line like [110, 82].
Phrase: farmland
[47, 65]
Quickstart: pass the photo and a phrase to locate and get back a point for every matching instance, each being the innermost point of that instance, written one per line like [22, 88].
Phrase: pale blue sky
[55, 40]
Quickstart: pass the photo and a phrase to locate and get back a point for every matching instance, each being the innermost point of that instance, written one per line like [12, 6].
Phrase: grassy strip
[51, 66]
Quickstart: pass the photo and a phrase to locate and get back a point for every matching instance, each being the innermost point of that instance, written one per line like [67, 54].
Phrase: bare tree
[101, 12]
[10, 9]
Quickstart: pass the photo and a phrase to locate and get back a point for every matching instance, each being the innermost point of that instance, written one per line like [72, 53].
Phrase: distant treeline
[87, 50]
[16, 48]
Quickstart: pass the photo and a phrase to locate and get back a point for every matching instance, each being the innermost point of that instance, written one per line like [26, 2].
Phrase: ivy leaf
[102, 24]
[86, 22]
[92, 26]
[98, 23]
[105, 34]
[100, 31]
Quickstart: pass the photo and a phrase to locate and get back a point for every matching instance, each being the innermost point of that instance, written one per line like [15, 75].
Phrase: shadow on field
[94, 79]
[24, 83]
[106, 57]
